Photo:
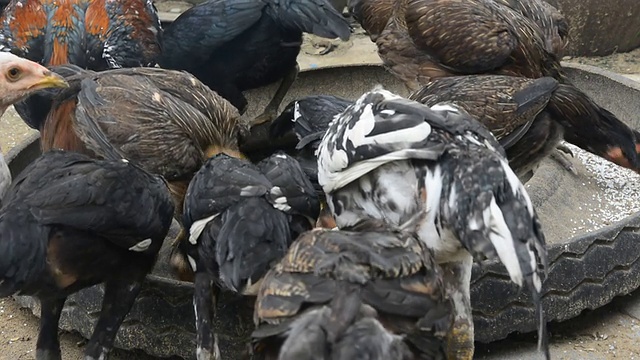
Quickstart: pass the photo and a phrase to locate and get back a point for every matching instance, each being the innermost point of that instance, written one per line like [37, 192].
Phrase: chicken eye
[14, 73]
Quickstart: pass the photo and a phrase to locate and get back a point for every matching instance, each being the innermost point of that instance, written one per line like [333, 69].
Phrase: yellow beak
[50, 80]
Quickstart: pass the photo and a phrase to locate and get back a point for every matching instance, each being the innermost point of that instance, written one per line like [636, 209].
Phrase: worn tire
[586, 271]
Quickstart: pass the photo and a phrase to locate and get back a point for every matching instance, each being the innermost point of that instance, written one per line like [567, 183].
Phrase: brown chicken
[364, 292]
[552, 23]
[422, 40]
[167, 121]
[524, 114]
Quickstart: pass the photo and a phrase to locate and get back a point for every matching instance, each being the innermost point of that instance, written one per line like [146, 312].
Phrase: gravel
[619, 198]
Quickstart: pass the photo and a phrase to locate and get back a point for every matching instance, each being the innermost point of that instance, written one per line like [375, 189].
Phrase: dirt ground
[612, 332]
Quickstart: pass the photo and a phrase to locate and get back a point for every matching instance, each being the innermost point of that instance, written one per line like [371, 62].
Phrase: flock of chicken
[357, 243]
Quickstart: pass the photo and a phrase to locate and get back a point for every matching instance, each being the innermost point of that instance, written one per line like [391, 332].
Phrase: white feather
[296, 112]
[198, 227]
[516, 185]
[141, 246]
[444, 107]
[192, 262]
[502, 241]
[5, 176]
[250, 190]
[333, 180]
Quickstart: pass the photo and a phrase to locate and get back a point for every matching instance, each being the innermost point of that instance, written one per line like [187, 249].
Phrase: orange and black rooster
[92, 34]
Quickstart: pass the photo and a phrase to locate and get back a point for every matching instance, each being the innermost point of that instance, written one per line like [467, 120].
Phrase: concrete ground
[611, 332]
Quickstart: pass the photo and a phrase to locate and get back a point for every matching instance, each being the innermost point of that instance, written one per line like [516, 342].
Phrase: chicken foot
[271, 110]
[560, 154]
[205, 304]
[119, 295]
[48, 344]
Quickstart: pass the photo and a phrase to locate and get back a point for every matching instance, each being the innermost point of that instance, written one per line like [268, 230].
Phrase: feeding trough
[587, 268]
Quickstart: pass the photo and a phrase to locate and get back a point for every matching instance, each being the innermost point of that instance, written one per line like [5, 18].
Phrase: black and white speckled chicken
[369, 291]
[241, 218]
[237, 45]
[70, 222]
[391, 158]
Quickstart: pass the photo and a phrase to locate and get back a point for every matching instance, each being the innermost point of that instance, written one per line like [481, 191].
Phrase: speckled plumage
[241, 218]
[69, 222]
[333, 287]
[93, 34]
[394, 159]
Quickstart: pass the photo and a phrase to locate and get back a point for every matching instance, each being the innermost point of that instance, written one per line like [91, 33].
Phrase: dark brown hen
[364, 292]
[167, 121]
[551, 21]
[520, 112]
[428, 39]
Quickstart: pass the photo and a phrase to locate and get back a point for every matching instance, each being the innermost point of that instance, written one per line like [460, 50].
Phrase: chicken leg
[205, 304]
[48, 344]
[560, 154]
[119, 295]
[271, 110]
[457, 277]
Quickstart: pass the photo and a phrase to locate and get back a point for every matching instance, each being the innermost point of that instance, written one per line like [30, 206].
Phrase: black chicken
[241, 218]
[70, 222]
[237, 45]
[365, 292]
[395, 159]
[309, 118]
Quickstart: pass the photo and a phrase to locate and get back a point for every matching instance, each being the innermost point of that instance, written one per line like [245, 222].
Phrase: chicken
[552, 23]
[70, 222]
[237, 45]
[20, 78]
[364, 292]
[393, 159]
[309, 118]
[93, 34]
[240, 218]
[522, 113]
[166, 121]
[422, 40]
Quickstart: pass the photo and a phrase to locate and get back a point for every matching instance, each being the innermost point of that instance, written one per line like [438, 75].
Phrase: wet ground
[611, 332]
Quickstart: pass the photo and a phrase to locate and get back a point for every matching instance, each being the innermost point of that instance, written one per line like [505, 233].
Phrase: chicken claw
[560, 155]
